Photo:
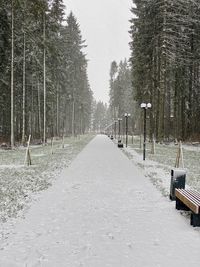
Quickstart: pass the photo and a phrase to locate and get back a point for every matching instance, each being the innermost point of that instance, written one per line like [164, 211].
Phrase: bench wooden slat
[190, 195]
[190, 201]
[195, 194]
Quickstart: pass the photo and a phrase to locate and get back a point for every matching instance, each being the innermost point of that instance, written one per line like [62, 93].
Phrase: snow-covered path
[102, 212]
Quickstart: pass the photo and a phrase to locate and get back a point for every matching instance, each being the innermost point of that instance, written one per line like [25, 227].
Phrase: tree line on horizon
[44, 87]
[121, 95]
[121, 100]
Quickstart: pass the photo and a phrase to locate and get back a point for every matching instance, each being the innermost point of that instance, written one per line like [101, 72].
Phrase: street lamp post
[119, 132]
[126, 115]
[115, 129]
[145, 106]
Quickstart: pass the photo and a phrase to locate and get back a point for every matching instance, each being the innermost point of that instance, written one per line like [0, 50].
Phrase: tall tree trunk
[168, 111]
[12, 77]
[163, 70]
[57, 111]
[175, 121]
[44, 77]
[73, 117]
[24, 90]
[39, 109]
[32, 109]
[190, 101]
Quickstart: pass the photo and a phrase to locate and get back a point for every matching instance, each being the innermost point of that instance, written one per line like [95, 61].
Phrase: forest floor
[19, 184]
[101, 211]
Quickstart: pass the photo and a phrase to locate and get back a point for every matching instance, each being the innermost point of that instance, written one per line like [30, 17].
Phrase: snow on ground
[158, 166]
[102, 212]
[19, 184]
[158, 174]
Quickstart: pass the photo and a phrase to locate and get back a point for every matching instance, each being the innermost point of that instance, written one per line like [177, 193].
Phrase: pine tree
[44, 55]
[165, 59]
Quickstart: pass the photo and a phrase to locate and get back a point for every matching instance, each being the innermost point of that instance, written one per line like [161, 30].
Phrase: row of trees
[101, 116]
[121, 93]
[44, 88]
[165, 63]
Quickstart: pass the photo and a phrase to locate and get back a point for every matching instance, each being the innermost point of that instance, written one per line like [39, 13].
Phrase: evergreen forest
[164, 69]
[44, 87]
[165, 64]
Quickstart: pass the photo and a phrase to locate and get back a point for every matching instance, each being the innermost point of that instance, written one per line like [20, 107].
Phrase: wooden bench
[189, 200]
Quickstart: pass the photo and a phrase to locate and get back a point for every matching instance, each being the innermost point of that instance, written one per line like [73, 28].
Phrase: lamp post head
[146, 105]
[143, 105]
[127, 114]
[119, 119]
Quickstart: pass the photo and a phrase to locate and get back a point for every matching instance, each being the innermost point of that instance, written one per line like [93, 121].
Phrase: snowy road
[102, 212]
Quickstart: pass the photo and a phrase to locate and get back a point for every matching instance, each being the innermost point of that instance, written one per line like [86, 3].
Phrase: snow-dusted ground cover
[101, 212]
[20, 183]
[158, 166]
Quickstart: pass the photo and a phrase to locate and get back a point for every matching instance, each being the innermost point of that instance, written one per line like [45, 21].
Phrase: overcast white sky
[104, 25]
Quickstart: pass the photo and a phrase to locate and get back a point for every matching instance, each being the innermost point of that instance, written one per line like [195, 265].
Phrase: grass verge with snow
[19, 183]
[157, 167]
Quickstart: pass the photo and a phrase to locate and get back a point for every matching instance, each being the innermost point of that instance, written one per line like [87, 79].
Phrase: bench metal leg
[180, 205]
[195, 219]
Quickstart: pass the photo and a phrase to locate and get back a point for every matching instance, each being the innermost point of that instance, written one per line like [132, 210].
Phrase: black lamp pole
[115, 128]
[119, 132]
[145, 127]
[126, 115]
[145, 107]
